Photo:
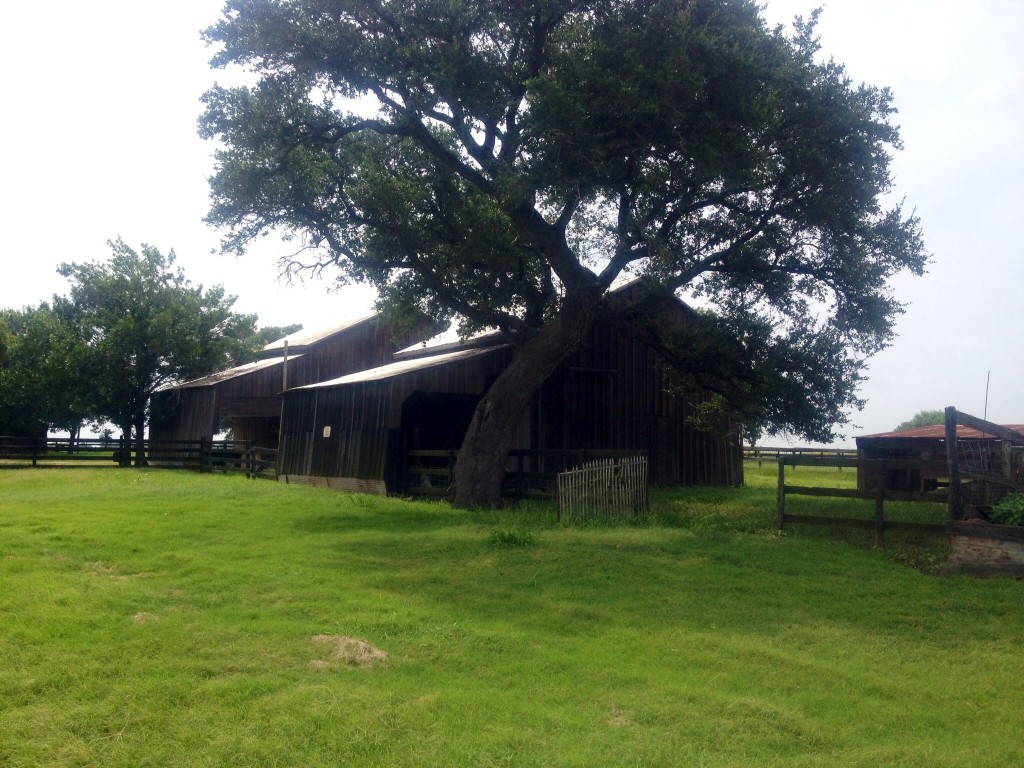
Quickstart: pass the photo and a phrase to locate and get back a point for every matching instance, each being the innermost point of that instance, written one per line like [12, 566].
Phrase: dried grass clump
[350, 651]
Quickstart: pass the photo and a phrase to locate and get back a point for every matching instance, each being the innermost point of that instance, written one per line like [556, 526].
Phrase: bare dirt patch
[618, 717]
[142, 617]
[350, 651]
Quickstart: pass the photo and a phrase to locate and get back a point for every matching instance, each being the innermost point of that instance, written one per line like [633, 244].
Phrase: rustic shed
[921, 444]
[612, 395]
[251, 394]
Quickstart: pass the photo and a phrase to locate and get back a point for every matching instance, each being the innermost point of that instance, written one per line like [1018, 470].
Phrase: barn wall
[614, 395]
[611, 395]
[184, 414]
[362, 415]
[253, 400]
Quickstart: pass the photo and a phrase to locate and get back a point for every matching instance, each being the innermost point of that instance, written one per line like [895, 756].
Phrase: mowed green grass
[165, 618]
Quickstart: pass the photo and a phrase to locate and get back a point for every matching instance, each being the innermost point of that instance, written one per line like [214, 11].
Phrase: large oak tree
[506, 162]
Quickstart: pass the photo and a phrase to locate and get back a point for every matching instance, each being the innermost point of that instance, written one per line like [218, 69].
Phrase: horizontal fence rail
[872, 474]
[769, 453]
[197, 455]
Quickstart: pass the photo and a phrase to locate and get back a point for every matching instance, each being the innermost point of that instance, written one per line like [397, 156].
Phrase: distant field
[162, 618]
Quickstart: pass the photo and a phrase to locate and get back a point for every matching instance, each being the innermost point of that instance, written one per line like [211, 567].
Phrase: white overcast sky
[99, 141]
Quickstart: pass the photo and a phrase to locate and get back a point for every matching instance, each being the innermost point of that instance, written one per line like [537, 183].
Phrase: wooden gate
[604, 489]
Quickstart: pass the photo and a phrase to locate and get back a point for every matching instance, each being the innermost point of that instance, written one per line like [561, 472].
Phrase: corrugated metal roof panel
[937, 432]
[306, 337]
[230, 373]
[450, 341]
[401, 367]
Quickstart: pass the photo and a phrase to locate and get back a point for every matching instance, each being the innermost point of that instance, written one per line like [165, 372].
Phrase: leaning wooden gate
[604, 489]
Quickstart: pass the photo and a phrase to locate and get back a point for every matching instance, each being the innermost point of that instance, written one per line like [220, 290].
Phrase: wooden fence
[761, 453]
[198, 455]
[876, 472]
[529, 473]
[604, 489]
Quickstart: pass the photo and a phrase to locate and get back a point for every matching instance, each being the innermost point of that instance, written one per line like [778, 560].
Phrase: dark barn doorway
[437, 421]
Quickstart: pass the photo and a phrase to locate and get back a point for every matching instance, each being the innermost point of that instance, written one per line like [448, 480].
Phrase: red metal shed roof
[937, 432]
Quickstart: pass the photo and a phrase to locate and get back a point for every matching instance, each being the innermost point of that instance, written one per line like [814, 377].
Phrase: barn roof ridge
[303, 339]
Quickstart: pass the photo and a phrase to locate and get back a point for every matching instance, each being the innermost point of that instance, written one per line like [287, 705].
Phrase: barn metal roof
[230, 373]
[937, 432]
[450, 341]
[305, 338]
[401, 367]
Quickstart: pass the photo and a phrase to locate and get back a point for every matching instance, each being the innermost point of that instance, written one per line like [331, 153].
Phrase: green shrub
[1009, 510]
[509, 538]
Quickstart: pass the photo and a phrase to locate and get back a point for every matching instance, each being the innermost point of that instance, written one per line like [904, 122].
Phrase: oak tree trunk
[480, 467]
[140, 441]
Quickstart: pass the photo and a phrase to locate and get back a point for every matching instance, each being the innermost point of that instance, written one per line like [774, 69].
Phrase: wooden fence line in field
[768, 453]
[200, 455]
[879, 494]
[604, 489]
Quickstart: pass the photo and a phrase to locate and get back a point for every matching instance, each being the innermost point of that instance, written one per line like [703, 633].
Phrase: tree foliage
[924, 419]
[146, 325]
[42, 365]
[506, 163]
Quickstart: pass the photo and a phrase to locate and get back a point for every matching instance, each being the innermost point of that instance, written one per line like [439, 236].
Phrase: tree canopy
[924, 419]
[43, 363]
[505, 163]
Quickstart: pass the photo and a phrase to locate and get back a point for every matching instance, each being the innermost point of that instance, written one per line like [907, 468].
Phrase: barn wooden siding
[615, 394]
[612, 395]
[253, 399]
[365, 418]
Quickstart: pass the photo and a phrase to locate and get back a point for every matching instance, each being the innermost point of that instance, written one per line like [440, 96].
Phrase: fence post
[780, 515]
[879, 503]
[952, 462]
[204, 454]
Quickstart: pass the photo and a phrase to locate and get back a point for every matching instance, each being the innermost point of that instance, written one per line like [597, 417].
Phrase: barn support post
[780, 515]
[952, 462]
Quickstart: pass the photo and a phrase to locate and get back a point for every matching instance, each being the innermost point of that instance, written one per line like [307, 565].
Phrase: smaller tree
[923, 419]
[42, 357]
[146, 326]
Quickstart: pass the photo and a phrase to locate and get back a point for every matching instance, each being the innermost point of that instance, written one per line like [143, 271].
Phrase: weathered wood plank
[1003, 433]
[840, 493]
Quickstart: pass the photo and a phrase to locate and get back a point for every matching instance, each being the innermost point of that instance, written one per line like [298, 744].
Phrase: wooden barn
[250, 395]
[612, 395]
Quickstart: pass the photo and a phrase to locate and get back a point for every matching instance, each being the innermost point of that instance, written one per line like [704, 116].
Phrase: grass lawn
[161, 618]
